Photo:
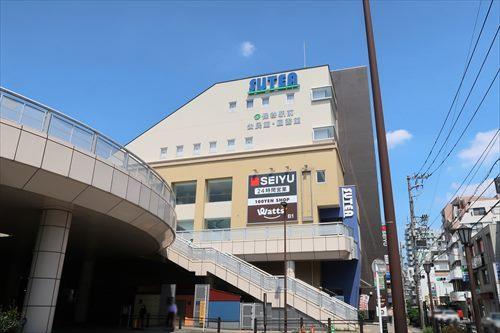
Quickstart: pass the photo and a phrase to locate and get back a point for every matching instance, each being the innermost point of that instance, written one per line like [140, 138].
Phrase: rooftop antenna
[304, 54]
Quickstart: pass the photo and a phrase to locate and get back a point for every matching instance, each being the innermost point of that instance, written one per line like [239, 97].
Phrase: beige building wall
[208, 118]
[239, 166]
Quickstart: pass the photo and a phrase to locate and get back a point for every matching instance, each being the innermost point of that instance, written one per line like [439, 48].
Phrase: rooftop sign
[272, 83]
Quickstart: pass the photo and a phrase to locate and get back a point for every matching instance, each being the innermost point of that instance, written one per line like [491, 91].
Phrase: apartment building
[480, 214]
[241, 148]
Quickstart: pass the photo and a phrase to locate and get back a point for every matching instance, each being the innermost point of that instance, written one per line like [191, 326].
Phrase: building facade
[239, 149]
[479, 214]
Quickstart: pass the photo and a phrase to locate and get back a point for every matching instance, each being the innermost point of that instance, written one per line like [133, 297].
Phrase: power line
[450, 131]
[459, 87]
[479, 163]
[468, 124]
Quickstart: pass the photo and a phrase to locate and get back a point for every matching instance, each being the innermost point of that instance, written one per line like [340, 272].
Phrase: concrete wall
[357, 149]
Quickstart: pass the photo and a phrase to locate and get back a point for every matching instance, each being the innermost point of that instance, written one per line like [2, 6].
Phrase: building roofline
[214, 84]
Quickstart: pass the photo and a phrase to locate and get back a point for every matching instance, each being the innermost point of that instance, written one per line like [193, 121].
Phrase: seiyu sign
[267, 192]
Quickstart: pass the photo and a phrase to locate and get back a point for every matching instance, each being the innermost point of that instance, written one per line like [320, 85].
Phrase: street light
[465, 235]
[285, 316]
[427, 268]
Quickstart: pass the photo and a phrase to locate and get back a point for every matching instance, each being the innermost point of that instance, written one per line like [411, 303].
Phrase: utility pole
[416, 268]
[285, 271]
[398, 298]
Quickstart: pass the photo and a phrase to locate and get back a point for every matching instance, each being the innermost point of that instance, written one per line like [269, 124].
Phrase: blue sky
[120, 66]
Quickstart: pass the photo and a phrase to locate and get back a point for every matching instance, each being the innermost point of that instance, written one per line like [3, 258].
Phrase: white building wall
[208, 117]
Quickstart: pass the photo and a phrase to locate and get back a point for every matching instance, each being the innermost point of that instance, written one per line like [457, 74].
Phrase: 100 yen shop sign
[267, 192]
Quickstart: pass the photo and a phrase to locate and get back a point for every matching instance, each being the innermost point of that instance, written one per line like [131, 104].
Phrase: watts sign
[267, 192]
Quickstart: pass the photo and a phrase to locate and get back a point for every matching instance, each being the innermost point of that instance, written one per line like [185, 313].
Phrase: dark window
[479, 211]
[185, 193]
[222, 223]
[219, 190]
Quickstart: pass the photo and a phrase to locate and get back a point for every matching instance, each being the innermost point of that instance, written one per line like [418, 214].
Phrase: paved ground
[374, 328]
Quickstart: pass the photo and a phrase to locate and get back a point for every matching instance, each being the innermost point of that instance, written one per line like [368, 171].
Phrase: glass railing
[271, 283]
[267, 232]
[29, 113]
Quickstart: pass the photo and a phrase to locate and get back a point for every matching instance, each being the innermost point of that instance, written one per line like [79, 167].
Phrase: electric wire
[459, 87]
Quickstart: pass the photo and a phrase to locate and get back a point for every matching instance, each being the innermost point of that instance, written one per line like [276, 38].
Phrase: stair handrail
[317, 296]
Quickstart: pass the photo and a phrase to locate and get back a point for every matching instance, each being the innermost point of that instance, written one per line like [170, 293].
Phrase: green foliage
[427, 329]
[413, 316]
[361, 315]
[9, 320]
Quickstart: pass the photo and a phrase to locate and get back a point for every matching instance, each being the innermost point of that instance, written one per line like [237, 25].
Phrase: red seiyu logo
[254, 181]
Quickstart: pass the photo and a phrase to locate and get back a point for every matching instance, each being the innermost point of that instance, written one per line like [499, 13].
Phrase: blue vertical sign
[349, 214]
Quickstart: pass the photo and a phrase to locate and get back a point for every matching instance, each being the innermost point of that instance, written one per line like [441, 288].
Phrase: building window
[185, 225]
[479, 211]
[486, 277]
[480, 245]
[265, 101]
[321, 176]
[318, 94]
[213, 147]
[219, 190]
[249, 103]
[290, 97]
[231, 143]
[196, 149]
[323, 133]
[249, 142]
[185, 192]
[179, 151]
[232, 106]
[163, 153]
[220, 223]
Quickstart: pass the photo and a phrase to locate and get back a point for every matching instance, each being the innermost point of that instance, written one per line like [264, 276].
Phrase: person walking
[142, 314]
[171, 313]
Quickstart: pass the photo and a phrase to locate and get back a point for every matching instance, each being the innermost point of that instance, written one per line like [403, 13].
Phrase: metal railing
[268, 282]
[267, 232]
[27, 112]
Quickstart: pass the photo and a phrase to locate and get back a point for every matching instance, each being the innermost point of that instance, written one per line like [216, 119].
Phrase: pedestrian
[460, 314]
[171, 313]
[142, 314]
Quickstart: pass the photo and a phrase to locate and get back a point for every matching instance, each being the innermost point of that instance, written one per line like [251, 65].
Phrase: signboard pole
[379, 305]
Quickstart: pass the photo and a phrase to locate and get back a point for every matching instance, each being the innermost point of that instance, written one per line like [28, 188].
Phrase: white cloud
[247, 49]
[397, 137]
[478, 145]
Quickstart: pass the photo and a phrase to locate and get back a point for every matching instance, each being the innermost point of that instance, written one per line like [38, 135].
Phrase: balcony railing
[267, 232]
[29, 113]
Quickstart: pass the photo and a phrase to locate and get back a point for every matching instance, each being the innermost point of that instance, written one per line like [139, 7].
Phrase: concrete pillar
[84, 288]
[290, 268]
[46, 268]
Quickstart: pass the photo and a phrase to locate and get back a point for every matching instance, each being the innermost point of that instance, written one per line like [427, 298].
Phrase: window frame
[163, 153]
[290, 101]
[251, 101]
[324, 176]
[323, 127]
[231, 107]
[229, 147]
[197, 152]
[210, 147]
[207, 184]
[189, 182]
[184, 230]
[206, 220]
[181, 153]
[330, 89]
[249, 146]
[266, 98]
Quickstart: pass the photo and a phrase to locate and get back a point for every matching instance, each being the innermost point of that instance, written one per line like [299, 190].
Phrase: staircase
[255, 282]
